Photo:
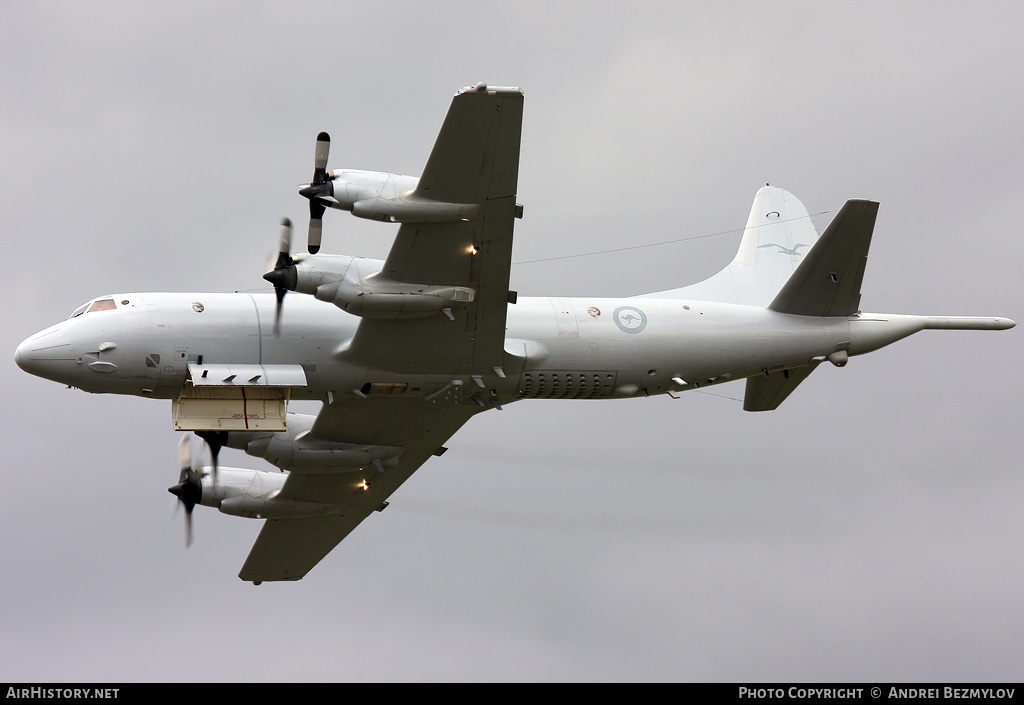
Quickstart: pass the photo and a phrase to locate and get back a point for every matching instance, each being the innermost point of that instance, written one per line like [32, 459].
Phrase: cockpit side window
[102, 305]
[97, 305]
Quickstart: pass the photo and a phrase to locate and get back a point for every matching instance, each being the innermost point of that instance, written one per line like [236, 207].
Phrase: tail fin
[827, 282]
[778, 235]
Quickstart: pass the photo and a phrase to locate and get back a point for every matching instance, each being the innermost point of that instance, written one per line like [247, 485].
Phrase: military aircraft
[403, 352]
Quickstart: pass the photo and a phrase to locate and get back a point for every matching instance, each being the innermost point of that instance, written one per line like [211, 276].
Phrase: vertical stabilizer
[778, 235]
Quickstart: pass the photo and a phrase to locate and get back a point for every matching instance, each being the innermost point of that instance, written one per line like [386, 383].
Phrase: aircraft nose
[46, 354]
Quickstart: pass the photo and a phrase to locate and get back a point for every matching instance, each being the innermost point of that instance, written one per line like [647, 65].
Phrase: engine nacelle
[255, 495]
[274, 508]
[354, 284]
[384, 299]
[391, 198]
[239, 491]
[296, 450]
[232, 483]
[410, 208]
[305, 454]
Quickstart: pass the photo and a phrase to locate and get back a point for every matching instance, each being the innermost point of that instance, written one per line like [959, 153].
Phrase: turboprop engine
[237, 491]
[377, 195]
[354, 284]
[374, 195]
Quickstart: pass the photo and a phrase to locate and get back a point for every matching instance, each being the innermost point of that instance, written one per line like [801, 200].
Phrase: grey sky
[870, 529]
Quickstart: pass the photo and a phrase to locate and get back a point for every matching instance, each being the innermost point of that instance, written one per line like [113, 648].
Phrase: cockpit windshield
[95, 305]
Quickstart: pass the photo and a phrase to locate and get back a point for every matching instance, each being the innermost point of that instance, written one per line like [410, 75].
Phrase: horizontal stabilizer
[765, 393]
[827, 282]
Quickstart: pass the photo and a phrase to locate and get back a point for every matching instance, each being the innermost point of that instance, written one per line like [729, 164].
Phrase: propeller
[283, 277]
[320, 186]
[215, 440]
[189, 489]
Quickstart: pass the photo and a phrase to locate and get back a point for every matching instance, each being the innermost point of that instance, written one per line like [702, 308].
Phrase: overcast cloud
[868, 530]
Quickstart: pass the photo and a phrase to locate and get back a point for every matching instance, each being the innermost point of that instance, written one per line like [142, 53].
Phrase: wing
[475, 160]
[287, 549]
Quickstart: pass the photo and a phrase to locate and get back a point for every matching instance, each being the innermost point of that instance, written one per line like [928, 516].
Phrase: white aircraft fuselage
[590, 347]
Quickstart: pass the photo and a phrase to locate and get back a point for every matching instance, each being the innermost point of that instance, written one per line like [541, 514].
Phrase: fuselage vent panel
[562, 384]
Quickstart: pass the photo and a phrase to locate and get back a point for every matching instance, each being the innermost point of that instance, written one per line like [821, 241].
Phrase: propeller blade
[188, 525]
[320, 156]
[283, 274]
[279, 293]
[284, 257]
[215, 440]
[189, 489]
[184, 456]
[316, 227]
[320, 186]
